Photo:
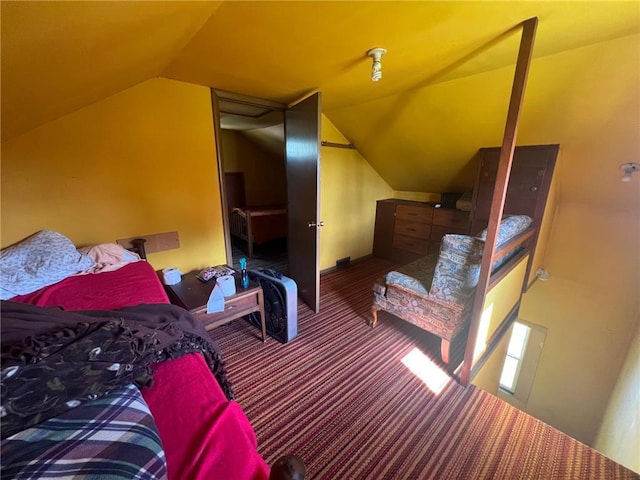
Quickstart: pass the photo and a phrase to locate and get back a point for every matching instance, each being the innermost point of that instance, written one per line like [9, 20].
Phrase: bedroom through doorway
[253, 167]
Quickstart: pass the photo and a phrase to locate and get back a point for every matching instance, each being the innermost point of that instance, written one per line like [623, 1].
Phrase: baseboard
[351, 263]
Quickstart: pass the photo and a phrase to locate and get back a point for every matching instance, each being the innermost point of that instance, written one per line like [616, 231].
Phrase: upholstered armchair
[435, 293]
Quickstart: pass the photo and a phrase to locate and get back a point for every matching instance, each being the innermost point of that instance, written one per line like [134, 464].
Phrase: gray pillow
[40, 260]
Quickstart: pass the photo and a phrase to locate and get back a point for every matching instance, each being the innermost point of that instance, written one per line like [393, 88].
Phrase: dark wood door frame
[215, 107]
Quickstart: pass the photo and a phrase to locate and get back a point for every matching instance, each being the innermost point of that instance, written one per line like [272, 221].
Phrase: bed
[258, 225]
[102, 376]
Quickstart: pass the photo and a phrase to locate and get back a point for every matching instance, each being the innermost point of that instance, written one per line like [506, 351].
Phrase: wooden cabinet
[527, 190]
[447, 220]
[406, 230]
[528, 187]
[383, 232]
[411, 231]
[402, 230]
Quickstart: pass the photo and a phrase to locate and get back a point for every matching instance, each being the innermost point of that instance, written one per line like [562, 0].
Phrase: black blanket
[53, 360]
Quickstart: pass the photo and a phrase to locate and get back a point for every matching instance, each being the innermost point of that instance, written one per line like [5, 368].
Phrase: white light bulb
[376, 54]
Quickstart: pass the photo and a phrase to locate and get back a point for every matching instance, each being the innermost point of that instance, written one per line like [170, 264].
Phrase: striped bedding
[112, 437]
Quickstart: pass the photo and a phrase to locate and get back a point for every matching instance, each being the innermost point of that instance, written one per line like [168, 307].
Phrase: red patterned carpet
[340, 396]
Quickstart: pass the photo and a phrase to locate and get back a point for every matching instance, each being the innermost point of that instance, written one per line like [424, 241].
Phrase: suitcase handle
[271, 273]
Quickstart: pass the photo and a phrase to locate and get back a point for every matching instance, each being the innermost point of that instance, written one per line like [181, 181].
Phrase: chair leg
[445, 346]
[374, 315]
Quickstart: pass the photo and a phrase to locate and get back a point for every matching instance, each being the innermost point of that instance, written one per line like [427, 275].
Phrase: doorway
[300, 142]
[252, 165]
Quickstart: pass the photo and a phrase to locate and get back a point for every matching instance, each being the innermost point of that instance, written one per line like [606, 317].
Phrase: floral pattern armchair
[435, 293]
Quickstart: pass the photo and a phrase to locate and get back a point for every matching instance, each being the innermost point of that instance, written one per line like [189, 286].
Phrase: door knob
[316, 225]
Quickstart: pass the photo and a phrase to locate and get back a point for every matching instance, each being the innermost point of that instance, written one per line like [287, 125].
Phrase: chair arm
[428, 298]
[406, 281]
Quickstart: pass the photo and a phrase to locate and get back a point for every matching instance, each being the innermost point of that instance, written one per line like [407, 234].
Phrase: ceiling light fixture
[629, 169]
[376, 54]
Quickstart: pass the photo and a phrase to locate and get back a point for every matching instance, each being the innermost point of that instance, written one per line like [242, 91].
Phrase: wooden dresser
[406, 230]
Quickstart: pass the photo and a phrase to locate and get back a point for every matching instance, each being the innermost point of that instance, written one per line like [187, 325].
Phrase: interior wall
[348, 194]
[546, 224]
[590, 304]
[498, 303]
[619, 436]
[590, 309]
[140, 162]
[265, 175]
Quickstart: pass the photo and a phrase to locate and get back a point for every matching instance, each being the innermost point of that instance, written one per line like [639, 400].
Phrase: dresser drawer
[412, 229]
[450, 217]
[414, 213]
[411, 244]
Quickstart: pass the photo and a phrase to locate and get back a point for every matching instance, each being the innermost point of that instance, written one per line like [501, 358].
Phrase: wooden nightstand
[192, 294]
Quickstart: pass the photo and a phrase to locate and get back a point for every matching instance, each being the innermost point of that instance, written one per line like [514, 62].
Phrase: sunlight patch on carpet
[426, 370]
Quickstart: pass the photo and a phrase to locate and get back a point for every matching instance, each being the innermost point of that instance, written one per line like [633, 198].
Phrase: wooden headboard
[138, 247]
[144, 244]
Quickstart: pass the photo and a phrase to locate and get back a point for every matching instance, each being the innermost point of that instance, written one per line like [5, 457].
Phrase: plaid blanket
[112, 437]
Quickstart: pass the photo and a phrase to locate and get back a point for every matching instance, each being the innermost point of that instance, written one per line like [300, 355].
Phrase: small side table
[193, 294]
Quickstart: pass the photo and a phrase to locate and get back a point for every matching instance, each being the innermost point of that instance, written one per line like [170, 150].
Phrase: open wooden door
[302, 139]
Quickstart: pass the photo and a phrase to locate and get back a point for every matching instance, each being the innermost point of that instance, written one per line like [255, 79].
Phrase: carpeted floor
[271, 255]
[341, 397]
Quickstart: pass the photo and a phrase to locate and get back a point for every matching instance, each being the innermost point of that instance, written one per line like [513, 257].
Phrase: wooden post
[500, 190]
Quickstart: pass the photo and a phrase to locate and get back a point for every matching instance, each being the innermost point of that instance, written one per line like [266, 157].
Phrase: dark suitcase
[280, 304]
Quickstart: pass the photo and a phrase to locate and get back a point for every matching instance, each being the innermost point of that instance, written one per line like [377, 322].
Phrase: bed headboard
[138, 247]
[145, 244]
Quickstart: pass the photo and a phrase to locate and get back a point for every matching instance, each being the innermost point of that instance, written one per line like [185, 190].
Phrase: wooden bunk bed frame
[257, 225]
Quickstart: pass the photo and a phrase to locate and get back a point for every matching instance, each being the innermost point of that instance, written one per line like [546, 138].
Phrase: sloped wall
[139, 162]
[348, 194]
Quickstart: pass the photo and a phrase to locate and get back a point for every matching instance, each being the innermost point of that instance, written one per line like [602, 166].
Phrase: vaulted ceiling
[61, 56]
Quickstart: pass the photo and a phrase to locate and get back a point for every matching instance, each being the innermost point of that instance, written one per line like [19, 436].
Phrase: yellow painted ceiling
[444, 91]
[60, 56]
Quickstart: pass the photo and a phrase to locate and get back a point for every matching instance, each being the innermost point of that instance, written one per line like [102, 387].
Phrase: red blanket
[131, 285]
[223, 445]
